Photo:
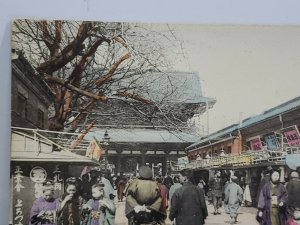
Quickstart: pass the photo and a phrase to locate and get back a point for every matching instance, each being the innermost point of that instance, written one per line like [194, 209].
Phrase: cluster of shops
[33, 160]
[268, 139]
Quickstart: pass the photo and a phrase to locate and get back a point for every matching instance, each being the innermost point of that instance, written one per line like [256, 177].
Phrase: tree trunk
[63, 100]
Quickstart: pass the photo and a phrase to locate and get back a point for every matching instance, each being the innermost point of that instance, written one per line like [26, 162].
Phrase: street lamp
[106, 139]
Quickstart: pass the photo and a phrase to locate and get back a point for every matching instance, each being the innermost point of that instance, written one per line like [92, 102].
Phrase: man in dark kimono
[293, 188]
[293, 203]
[272, 202]
[188, 205]
[265, 179]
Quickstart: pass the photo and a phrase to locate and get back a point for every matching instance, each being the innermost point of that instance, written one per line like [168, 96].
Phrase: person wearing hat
[44, 208]
[143, 200]
[233, 199]
[188, 205]
[95, 211]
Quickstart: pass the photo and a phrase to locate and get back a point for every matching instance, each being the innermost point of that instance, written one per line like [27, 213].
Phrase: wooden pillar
[143, 159]
[164, 163]
[118, 166]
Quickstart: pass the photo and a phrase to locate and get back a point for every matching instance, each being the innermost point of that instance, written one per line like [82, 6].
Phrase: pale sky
[248, 69]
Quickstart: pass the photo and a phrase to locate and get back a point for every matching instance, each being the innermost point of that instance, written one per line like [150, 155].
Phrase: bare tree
[88, 64]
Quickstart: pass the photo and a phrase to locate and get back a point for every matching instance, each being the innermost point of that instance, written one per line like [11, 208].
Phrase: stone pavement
[247, 216]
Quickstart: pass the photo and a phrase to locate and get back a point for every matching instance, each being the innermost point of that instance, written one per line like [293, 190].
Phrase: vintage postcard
[130, 123]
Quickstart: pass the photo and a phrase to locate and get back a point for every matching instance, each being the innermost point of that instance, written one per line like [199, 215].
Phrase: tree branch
[80, 137]
[46, 35]
[68, 53]
[82, 114]
[110, 73]
[134, 96]
[57, 40]
[81, 66]
[76, 89]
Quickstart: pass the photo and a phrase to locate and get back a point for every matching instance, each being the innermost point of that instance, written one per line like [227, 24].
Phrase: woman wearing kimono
[95, 211]
[70, 204]
[272, 202]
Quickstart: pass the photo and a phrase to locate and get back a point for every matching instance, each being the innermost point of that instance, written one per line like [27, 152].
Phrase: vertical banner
[272, 142]
[256, 143]
[292, 135]
[19, 216]
[94, 150]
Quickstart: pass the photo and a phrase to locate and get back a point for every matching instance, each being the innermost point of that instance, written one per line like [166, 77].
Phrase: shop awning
[26, 147]
[57, 156]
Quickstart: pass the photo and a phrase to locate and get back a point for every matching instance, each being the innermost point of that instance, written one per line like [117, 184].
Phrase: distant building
[271, 138]
[31, 97]
[136, 140]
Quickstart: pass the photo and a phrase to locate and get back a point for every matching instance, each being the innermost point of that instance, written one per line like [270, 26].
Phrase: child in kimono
[70, 204]
[294, 218]
[95, 210]
[44, 208]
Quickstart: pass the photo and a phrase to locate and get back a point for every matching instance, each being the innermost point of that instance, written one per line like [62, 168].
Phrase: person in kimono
[265, 178]
[293, 203]
[168, 181]
[216, 191]
[143, 200]
[188, 205]
[294, 218]
[174, 187]
[272, 202]
[233, 199]
[293, 188]
[70, 204]
[121, 184]
[94, 212]
[44, 208]
[164, 193]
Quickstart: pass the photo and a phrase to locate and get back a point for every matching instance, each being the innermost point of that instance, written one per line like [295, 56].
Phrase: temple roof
[143, 136]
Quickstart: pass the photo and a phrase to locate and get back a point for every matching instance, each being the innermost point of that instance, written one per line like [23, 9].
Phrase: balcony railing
[245, 158]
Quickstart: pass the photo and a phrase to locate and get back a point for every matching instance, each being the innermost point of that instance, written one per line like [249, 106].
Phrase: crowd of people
[92, 199]
[277, 202]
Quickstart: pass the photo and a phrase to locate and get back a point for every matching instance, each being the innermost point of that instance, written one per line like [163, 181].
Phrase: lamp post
[106, 139]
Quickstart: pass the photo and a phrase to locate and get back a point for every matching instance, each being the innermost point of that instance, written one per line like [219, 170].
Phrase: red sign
[292, 135]
[256, 143]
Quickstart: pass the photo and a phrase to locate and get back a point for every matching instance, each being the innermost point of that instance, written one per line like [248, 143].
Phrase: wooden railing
[245, 158]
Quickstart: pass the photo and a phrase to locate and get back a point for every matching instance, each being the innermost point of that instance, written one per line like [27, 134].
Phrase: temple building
[136, 140]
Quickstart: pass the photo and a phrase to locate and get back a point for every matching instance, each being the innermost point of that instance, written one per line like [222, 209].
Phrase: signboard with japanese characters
[256, 143]
[272, 142]
[27, 181]
[292, 135]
